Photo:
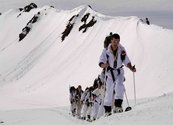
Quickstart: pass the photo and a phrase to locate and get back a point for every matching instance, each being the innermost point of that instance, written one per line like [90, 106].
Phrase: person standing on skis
[113, 60]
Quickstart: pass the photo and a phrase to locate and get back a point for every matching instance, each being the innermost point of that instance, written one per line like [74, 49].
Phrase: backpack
[107, 40]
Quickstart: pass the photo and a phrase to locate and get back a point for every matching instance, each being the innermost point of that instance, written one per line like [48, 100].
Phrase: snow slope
[149, 111]
[37, 71]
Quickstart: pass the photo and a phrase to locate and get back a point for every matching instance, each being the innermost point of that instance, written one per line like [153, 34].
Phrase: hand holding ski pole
[132, 68]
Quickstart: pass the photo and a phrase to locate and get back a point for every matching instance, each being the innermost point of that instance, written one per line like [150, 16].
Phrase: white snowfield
[149, 111]
[36, 72]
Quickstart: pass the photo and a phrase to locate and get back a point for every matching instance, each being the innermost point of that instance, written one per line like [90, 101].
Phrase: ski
[128, 109]
[1, 122]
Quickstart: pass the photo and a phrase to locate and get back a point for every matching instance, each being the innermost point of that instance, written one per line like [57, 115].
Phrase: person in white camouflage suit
[113, 60]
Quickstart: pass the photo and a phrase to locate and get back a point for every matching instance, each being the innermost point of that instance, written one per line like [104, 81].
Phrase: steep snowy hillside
[37, 71]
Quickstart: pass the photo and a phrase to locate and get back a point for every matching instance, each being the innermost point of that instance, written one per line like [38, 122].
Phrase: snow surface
[149, 111]
[36, 72]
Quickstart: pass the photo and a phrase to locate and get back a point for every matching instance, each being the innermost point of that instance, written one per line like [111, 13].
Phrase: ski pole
[134, 87]
[128, 107]
[126, 97]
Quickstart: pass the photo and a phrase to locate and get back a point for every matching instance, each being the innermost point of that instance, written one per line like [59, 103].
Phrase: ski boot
[118, 106]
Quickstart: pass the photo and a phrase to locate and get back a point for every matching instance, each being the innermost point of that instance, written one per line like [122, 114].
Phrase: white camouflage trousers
[116, 86]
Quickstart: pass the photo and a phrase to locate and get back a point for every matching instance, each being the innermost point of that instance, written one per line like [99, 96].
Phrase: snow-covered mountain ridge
[40, 67]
